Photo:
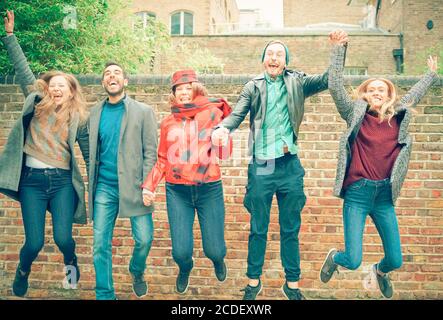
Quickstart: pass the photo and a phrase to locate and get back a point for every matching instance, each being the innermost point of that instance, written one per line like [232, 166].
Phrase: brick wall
[309, 52]
[199, 8]
[419, 211]
[302, 12]
[410, 17]
[204, 12]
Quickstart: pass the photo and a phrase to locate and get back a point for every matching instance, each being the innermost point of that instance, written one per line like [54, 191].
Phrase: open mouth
[113, 84]
[185, 99]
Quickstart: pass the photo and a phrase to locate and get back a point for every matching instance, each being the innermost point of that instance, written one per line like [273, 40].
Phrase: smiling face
[184, 93]
[275, 59]
[114, 81]
[377, 94]
[59, 90]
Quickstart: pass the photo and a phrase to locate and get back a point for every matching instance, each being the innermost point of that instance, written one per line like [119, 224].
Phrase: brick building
[389, 36]
[300, 13]
[197, 17]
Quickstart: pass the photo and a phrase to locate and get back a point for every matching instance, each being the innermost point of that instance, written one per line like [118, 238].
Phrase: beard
[115, 93]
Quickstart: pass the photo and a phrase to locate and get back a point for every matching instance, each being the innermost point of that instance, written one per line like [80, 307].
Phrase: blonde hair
[388, 108]
[198, 89]
[65, 113]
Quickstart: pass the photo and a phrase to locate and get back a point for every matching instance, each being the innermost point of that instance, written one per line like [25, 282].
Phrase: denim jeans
[41, 190]
[182, 201]
[362, 198]
[106, 207]
[284, 177]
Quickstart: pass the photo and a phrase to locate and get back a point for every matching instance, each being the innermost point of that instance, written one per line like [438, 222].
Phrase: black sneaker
[139, 285]
[221, 272]
[182, 283]
[384, 283]
[72, 274]
[20, 284]
[292, 294]
[329, 267]
[252, 292]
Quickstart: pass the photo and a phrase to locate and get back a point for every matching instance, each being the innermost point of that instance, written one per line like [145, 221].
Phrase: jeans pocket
[357, 185]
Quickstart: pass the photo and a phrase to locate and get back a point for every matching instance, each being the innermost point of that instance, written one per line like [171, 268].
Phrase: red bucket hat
[183, 76]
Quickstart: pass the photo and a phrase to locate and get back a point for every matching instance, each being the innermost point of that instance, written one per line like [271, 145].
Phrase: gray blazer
[137, 154]
[353, 113]
[253, 98]
[11, 160]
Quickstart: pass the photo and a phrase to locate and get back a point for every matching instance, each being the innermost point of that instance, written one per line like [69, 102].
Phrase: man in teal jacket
[275, 100]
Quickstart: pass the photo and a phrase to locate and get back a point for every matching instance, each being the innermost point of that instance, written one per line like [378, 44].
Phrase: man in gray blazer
[123, 149]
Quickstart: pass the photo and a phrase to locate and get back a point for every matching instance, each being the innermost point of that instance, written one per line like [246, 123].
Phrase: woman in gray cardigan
[373, 160]
[38, 165]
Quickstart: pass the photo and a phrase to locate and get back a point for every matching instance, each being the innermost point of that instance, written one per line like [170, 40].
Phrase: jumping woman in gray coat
[38, 165]
[373, 160]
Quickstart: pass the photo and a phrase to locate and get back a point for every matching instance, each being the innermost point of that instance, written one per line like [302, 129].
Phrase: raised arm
[337, 90]
[241, 109]
[24, 74]
[313, 84]
[416, 93]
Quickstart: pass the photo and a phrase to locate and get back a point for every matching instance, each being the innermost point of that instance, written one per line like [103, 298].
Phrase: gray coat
[353, 113]
[253, 98]
[137, 154]
[11, 160]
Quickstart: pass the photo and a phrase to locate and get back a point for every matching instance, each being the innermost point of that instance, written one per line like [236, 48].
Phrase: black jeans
[41, 190]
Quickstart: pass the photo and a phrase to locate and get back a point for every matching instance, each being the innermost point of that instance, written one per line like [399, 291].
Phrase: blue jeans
[283, 177]
[41, 190]
[106, 207]
[374, 198]
[182, 201]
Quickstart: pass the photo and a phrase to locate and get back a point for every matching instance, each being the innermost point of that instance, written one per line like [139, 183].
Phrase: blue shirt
[109, 140]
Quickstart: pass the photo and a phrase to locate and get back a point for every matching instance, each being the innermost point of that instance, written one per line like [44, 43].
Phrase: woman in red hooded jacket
[188, 161]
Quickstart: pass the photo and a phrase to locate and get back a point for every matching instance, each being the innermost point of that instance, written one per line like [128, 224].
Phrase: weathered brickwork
[419, 211]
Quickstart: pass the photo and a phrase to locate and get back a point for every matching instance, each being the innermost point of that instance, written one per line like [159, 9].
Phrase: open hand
[432, 63]
[9, 22]
[338, 37]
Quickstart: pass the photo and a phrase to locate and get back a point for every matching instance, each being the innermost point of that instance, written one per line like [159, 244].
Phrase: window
[355, 71]
[143, 18]
[182, 23]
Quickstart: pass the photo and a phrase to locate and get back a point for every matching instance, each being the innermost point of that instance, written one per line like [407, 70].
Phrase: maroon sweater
[374, 150]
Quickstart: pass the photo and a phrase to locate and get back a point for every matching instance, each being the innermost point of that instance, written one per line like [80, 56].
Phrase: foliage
[80, 36]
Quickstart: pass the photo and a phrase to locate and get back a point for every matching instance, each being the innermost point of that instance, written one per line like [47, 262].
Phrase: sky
[272, 10]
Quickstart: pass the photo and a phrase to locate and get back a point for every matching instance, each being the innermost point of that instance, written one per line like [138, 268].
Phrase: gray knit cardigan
[353, 113]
